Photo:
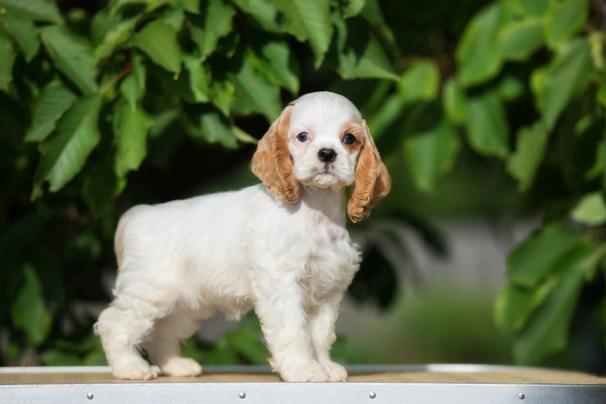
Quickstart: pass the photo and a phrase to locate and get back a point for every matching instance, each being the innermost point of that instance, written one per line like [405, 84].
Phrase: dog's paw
[181, 367]
[309, 372]
[135, 370]
[336, 372]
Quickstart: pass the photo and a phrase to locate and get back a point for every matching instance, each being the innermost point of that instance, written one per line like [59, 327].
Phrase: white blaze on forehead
[322, 113]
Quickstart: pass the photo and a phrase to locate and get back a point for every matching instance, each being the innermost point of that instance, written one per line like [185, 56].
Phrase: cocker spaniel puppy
[280, 247]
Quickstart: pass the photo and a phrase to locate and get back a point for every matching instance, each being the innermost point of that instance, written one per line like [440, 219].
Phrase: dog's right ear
[272, 162]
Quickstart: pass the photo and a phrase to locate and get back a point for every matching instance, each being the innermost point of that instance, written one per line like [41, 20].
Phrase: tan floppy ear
[371, 183]
[272, 162]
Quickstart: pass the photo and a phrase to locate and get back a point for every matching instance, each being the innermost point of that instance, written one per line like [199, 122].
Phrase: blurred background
[488, 113]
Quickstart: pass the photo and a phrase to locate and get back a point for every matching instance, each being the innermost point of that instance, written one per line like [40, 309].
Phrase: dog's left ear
[372, 181]
[272, 162]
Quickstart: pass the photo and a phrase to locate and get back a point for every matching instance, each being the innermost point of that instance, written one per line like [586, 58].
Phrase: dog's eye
[349, 139]
[302, 137]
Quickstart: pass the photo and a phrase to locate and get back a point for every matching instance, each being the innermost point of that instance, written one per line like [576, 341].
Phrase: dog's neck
[327, 202]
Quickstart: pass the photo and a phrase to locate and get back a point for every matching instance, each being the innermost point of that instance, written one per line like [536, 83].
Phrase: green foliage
[131, 43]
[28, 311]
[88, 98]
[527, 87]
[547, 273]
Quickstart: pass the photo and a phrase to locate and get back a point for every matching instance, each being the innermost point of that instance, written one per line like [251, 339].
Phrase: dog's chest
[331, 259]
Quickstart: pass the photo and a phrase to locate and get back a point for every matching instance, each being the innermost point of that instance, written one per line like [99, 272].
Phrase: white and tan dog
[280, 247]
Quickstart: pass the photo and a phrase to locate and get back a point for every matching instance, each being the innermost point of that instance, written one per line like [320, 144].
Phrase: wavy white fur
[280, 247]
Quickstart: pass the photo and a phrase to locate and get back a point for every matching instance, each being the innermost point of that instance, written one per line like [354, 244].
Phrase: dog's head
[321, 140]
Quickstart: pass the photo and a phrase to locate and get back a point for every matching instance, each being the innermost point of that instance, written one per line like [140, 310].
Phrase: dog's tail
[119, 238]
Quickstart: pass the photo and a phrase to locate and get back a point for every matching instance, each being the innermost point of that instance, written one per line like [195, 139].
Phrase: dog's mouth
[325, 177]
[327, 173]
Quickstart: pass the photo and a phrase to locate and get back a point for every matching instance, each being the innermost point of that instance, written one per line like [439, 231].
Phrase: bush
[98, 106]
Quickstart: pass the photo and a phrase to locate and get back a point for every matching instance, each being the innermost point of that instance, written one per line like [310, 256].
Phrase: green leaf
[351, 8]
[174, 17]
[278, 64]
[37, 10]
[214, 22]
[309, 20]
[132, 86]
[249, 344]
[564, 19]
[221, 354]
[591, 210]
[511, 87]
[431, 153]
[373, 15]
[96, 358]
[28, 310]
[119, 33]
[530, 149]
[101, 23]
[50, 105]
[159, 41]
[534, 8]
[357, 54]
[72, 54]
[262, 12]
[538, 83]
[64, 155]
[539, 255]
[391, 110]
[487, 125]
[7, 60]
[194, 83]
[131, 127]
[596, 41]
[191, 6]
[102, 185]
[55, 357]
[254, 93]
[214, 128]
[567, 74]
[515, 305]
[478, 54]
[520, 39]
[346, 351]
[243, 136]
[548, 330]
[223, 94]
[454, 101]
[24, 32]
[528, 8]
[149, 5]
[420, 82]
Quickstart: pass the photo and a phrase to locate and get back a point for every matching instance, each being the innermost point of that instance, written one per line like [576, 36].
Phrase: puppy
[280, 247]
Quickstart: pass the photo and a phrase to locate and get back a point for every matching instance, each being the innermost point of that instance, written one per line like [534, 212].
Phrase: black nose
[327, 155]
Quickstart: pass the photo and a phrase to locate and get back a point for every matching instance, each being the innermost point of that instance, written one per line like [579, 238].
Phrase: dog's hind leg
[164, 343]
[123, 326]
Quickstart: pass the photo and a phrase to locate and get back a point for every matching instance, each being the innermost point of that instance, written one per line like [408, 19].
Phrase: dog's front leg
[285, 328]
[322, 324]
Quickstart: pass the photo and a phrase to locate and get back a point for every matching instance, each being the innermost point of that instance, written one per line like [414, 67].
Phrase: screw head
[372, 394]
[242, 395]
[90, 396]
[521, 396]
